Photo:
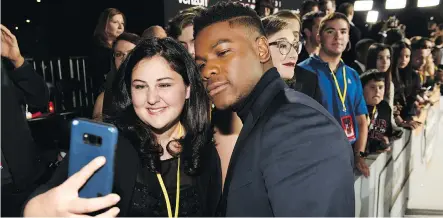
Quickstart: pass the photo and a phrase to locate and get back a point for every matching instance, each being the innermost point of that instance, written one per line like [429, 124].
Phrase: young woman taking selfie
[165, 163]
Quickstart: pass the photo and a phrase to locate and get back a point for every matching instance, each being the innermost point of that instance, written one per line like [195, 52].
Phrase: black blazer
[126, 167]
[291, 158]
[354, 36]
[356, 67]
[99, 64]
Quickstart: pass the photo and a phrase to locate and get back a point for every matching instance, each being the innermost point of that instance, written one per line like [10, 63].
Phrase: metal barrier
[71, 80]
[385, 193]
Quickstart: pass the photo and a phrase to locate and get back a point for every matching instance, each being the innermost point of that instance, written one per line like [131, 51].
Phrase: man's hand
[385, 141]
[10, 49]
[64, 201]
[412, 124]
[361, 165]
[388, 149]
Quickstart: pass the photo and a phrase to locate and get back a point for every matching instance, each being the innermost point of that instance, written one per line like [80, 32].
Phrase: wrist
[360, 154]
[18, 62]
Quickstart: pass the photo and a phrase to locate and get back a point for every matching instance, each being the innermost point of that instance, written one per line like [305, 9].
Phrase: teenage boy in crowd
[326, 78]
[380, 126]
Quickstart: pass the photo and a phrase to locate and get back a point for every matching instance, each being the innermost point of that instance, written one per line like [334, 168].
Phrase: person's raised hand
[10, 49]
[64, 201]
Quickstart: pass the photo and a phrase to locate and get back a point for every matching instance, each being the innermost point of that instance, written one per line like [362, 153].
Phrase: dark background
[64, 27]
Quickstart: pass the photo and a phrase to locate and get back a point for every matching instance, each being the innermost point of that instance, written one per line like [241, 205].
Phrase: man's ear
[307, 33]
[263, 49]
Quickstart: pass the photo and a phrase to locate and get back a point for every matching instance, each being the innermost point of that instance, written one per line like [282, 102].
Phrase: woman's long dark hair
[194, 117]
[371, 62]
[397, 79]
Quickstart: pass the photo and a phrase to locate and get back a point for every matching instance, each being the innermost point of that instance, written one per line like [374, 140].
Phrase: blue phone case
[101, 183]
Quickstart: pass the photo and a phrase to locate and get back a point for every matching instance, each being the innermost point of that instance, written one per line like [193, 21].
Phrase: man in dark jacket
[291, 157]
[19, 164]
[354, 33]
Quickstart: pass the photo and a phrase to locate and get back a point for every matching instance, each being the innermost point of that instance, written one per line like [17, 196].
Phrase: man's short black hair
[440, 26]
[393, 35]
[364, 44]
[332, 17]
[346, 8]
[130, 37]
[308, 19]
[370, 75]
[307, 6]
[234, 12]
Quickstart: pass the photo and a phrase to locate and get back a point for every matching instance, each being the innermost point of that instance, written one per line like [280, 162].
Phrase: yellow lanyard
[373, 116]
[342, 96]
[162, 184]
[421, 79]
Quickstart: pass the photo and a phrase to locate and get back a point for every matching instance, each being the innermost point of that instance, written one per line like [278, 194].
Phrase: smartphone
[91, 139]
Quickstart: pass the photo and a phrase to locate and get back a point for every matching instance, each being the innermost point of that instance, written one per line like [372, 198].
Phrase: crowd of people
[233, 113]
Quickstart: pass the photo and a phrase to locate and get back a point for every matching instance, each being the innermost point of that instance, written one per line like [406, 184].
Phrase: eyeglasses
[285, 46]
[120, 55]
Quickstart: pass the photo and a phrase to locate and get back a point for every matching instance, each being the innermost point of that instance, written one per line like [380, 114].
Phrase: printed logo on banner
[194, 2]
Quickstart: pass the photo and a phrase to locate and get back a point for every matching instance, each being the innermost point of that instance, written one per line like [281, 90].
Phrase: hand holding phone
[63, 200]
[91, 139]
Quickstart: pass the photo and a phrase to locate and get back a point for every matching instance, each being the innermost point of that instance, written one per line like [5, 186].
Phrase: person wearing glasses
[121, 48]
[284, 45]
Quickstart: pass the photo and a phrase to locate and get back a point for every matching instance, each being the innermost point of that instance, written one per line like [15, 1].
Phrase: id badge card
[348, 127]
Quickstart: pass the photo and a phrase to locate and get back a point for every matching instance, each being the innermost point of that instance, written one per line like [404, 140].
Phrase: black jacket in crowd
[291, 158]
[381, 126]
[303, 55]
[354, 36]
[99, 64]
[356, 67]
[406, 91]
[21, 86]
